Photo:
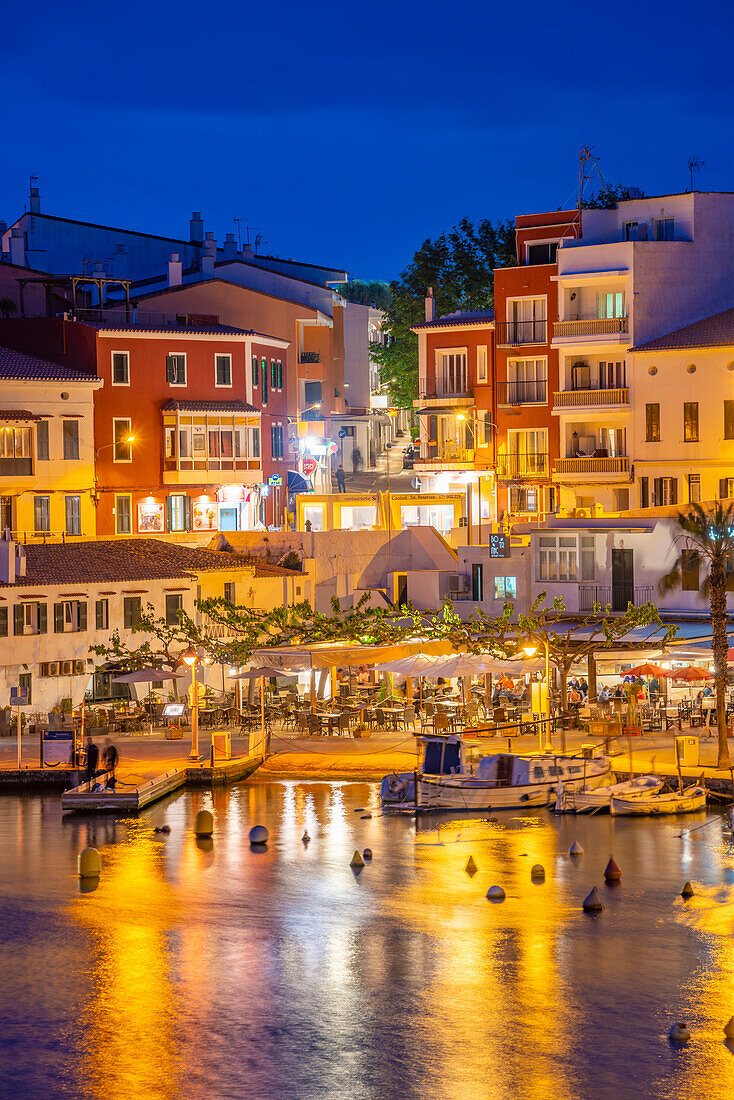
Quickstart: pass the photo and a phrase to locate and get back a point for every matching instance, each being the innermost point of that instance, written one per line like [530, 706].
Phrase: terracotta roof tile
[174, 405]
[716, 331]
[16, 364]
[458, 318]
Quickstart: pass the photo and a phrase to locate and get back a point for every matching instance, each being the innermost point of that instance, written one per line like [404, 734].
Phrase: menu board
[499, 546]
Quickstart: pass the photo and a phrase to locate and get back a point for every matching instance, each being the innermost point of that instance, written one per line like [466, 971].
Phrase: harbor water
[212, 969]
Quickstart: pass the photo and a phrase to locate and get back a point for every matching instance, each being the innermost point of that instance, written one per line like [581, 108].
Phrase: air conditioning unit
[67, 668]
[53, 668]
[79, 668]
[582, 513]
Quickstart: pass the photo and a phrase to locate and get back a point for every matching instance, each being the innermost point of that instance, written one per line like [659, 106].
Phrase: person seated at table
[708, 691]
[583, 687]
[363, 676]
[604, 695]
[654, 688]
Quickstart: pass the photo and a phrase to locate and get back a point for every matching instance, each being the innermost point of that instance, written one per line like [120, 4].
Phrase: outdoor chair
[343, 724]
[380, 718]
[441, 722]
[315, 724]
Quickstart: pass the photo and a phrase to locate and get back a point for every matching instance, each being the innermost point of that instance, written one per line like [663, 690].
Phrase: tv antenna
[695, 165]
[588, 164]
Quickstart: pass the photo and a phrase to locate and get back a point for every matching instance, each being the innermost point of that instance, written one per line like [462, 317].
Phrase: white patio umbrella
[262, 674]
[147, 676]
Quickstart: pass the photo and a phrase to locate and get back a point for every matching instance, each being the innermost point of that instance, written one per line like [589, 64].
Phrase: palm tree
[707, 538]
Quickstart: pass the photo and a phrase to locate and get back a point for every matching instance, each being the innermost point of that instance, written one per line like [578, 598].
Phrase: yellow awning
[333, 654]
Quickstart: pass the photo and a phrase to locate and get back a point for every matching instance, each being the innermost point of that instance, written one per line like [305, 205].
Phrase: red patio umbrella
[647, 670]
[730, 656]
[690, 674]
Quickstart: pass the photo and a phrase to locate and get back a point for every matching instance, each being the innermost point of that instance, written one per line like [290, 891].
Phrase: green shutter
[42, 618]
[265, 381]
[169, 514]
[3, 622]
[98, 615]
[81, 613]
[18, 619]
[187, 514]
[255, 372]
[723, 487]
[58, 618]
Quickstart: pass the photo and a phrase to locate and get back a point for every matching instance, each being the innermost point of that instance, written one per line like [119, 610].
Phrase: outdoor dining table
[331, 716]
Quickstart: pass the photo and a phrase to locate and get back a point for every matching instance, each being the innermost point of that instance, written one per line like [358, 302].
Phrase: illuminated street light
[191, 657]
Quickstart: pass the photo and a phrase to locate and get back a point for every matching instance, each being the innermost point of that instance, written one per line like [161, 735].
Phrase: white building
[639, 270]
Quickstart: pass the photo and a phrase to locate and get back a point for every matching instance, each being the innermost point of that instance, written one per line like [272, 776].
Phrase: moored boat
[599, 799]
[688, 801]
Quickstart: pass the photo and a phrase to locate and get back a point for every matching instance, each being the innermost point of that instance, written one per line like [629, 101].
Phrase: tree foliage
[706, 544]
[373, 292]
[606, 198]
[459, 265]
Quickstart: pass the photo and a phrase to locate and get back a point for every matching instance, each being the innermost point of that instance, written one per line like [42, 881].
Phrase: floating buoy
[687, 891]
[537, 871]
[357, 860]
[471, 867]
[365, 817]
[575, 849]
[729, 1029]
[359, 810]
[367, 853]
[592, 903]
[496, 893]
[306, 838]
[162, 829]
[204, 823]
[89, 863]
[259, 835]
[679, 1033]
[612, 871]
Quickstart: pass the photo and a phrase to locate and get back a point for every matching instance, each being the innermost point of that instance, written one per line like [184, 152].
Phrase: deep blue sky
[349, 133]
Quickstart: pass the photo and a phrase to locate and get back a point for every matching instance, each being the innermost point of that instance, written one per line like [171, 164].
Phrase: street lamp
[530, 651]
[115, 443]
[190, 657]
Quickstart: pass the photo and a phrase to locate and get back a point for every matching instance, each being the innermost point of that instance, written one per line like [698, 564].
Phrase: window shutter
[18, 619]
[170, 369]
[42, 618]
[723, 487]
[98, 615]
[58, 618]
[255, 373]
[644, 492]
[187, 513]
[265, 381]
[657, 491]
[169, 514]
[674, 490]
[432, 436]
[280, 375]
[81, 615]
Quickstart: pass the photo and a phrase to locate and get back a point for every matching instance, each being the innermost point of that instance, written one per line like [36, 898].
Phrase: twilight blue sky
[349, 133]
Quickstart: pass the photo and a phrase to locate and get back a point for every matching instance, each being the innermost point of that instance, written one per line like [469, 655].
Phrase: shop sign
[275, 481]
[150, 517]
[499, 546]
[204, 514]
[332, 449]
[310, 465]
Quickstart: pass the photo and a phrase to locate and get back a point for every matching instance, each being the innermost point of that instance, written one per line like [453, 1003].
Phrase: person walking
[110, 758]
[92, 761]
[341, 479]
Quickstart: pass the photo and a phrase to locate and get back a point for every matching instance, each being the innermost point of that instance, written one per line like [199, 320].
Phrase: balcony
[592, 467]
[591, 327]
[435, 402]
[530, 392]
[450, 457]
[591, 399]
[516, 467]
[619, 596]
[511, 334]
[16, 467]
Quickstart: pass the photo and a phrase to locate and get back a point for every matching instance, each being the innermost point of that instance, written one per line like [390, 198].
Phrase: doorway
[623, 579]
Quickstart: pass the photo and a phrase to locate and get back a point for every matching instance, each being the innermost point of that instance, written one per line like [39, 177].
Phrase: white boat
[598, 799]
[501, 781]
[671, 802]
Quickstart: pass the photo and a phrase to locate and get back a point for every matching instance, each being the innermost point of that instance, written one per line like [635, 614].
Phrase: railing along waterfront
[569, 399]
[591, 326]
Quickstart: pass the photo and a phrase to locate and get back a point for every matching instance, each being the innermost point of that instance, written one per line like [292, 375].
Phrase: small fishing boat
[599, 799]
[501, 781]
[687, 801]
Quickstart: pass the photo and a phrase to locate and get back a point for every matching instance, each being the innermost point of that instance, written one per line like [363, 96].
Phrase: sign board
[275, 481]
[342, 433]
[332, 449]
[174, 710]
[416, 483]
[19, 697]
[499, 546]
[58, 746]
[309, 465]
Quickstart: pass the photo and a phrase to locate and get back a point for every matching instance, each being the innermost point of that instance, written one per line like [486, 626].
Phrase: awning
[444, 410]
[331, 656]
[297, 483]
[19, 415]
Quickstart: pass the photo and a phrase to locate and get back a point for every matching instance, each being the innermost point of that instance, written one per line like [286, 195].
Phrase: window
[176, 370]
[273, 374]
[3, 622]
[277, 441]
[526, 381]
[223, 370]
[526, 320]
[690, 422]
[123, 515]
[664, 491]
[726, 487]
[42, 514]
[174, 604]
[541, 253]
[612, 376]
[16, 443]
[663, 229]
[178, 513]
[71, 438]
[522, 499]
[42, 452]
[255, 442]
[482, 364]
[528, 452]
[255, 371]
[229, 591]
[131, 610]
[30, 618]
[487, 423]
[311, 395]
[102, 614]
[120, 368]
[630, 231]
[587, 557]
[279, 375]
[652, 423]
[450, 372]
[24, 681]
[505, 588]
[694, 488]
[610, 304]
[557, 558]
[70, 617]
[729, 420]
[264, 380]
[689, 569]
[73, 506]
[121, 433]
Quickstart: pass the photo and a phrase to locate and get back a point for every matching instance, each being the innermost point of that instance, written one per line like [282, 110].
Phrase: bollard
[612, 871]
[367, 853]
[89, 863]
[679, 1033]
[204, 823]
[592, 903]
[537, 872]
[575, 849]
[357, 861]
[687, 891]
[471, 867]
[496, 893]
[306, 838]
[259, 836]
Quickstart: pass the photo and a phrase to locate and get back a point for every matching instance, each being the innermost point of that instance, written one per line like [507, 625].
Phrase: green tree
[372, 292]
[459, 265]
[606, 198]
[706, 539]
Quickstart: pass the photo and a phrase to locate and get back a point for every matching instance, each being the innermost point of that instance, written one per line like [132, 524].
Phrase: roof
[458, 318]
[193, 330]
[107, 561]
[204, 284]
[16, 364]
[716, 331]
[19, 415]
[175, 405]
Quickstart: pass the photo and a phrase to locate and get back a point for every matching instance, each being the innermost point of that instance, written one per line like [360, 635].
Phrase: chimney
[35, 201]
[430, 305]
[17, 246]
[209, 257]
[175, 270]
[8, 558]
[20, 560]
[229, 248]
[196, 228]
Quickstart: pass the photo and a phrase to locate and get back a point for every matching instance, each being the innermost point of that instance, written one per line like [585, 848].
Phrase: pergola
[74, 283]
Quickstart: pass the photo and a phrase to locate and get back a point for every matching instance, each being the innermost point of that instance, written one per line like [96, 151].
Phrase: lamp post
[530, 651]
[191, 657]
[115, 443]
